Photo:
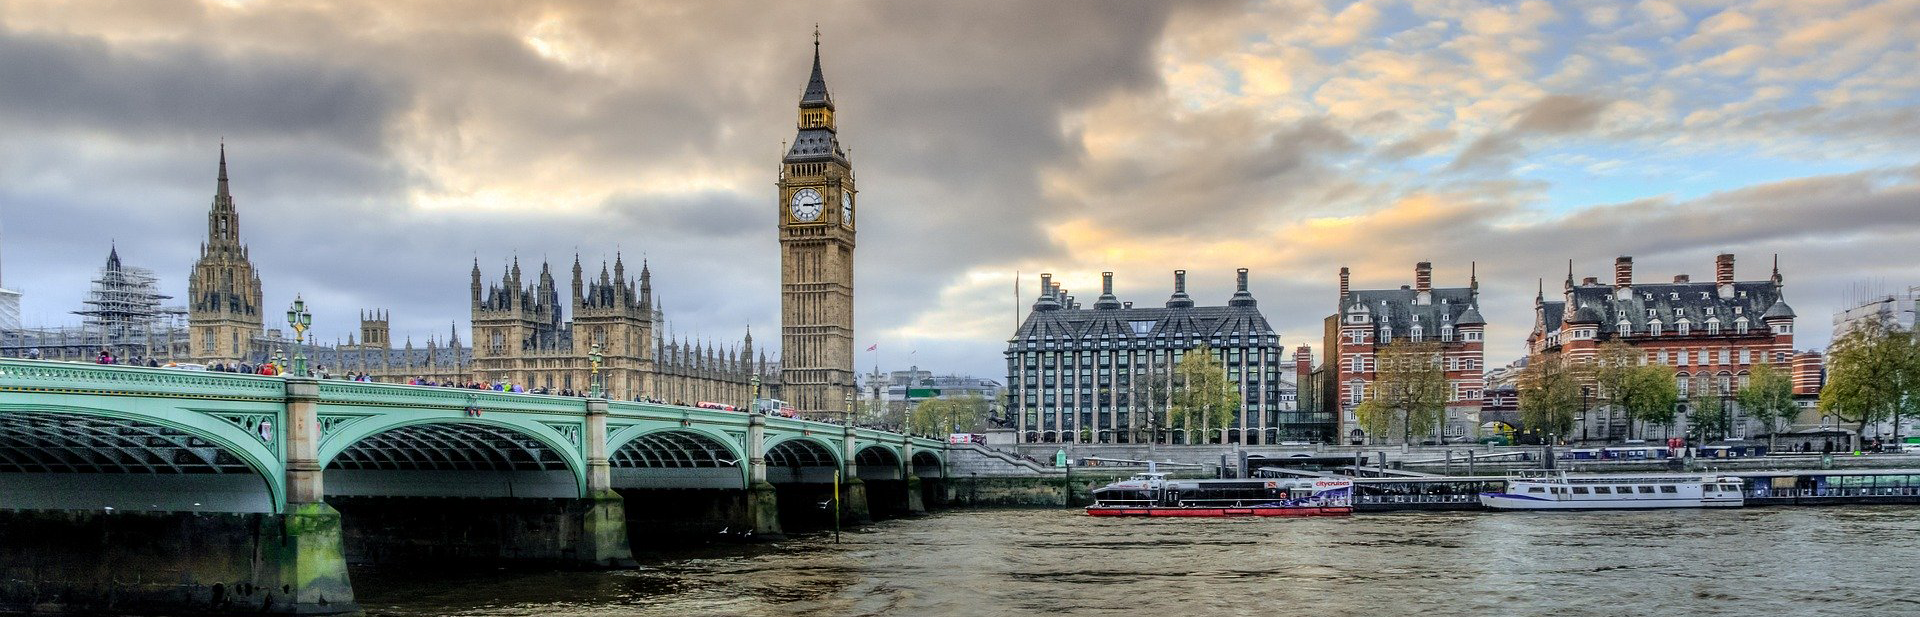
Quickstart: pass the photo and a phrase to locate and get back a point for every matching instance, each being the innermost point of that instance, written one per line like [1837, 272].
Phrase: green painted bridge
[122, 444]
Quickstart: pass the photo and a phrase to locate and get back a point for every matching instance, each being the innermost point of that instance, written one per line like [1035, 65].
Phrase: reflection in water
[1022, 562]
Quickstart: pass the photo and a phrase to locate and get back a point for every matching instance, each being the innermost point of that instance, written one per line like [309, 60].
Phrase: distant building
[1369, 320]
[1895, 309]
[1100, 373]
[1712, 333]
[124, 314]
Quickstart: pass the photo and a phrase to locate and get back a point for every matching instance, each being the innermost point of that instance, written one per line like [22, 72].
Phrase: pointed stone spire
[221, 190]
[816, 93]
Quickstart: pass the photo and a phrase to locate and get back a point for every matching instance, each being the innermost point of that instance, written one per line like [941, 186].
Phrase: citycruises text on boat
[1559, 491]
[1152, 494]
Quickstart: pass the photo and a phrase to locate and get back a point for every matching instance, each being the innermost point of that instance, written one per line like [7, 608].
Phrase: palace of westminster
[523, 333]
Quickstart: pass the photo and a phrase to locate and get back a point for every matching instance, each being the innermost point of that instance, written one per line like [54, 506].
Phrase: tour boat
[1559, 491]
[1152, 494]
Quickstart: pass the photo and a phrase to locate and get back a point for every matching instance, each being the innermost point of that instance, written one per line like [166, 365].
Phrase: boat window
[1669, 489]
[1646, 489]
[1536, 489]
[1624, 490]
[1603, 490]
[1579, 490]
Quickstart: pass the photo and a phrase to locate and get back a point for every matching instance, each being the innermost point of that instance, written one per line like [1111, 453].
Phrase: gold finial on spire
[816, 34]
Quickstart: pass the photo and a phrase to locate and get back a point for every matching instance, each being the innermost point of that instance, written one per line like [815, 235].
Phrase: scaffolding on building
[124, 314]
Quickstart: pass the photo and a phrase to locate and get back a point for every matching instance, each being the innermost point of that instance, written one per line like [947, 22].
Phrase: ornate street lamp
[849, 417]
[752, 403]
[593, 356]
[299, 319]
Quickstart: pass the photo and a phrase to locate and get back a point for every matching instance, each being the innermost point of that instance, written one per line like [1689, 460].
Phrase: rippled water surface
[1761, 561]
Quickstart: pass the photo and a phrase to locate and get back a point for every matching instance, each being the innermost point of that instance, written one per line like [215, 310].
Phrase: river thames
[1757, 561]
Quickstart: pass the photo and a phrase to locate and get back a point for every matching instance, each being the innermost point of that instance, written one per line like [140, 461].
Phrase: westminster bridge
[126, 487]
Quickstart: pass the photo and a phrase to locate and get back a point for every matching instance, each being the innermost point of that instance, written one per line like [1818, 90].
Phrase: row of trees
[1555, 389]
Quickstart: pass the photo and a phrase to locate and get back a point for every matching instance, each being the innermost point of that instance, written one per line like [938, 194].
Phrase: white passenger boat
[1559, 491]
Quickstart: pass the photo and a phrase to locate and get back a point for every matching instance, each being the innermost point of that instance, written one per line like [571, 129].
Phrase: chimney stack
[1106, 283]
[1591, 280]
[1343, 284]
[1682, 278]
[1046, 284]
[1423, 276]
[1622, 271]
[1242, 279]
[1106, 301]
[1179, 298]
[1723, 274]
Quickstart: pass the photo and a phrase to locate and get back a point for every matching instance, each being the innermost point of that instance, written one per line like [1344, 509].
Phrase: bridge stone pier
[158, 490]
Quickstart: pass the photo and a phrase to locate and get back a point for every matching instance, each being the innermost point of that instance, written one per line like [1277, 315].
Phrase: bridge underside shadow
[802, 474]
[681, 488]
[105, 514]
[465, 495]
[888, 494]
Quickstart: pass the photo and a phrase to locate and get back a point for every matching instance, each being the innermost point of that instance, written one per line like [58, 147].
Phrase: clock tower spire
[815, 217]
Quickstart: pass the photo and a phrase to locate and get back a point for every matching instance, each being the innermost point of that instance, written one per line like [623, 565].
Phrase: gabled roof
[1395, 308]
[1696, 302]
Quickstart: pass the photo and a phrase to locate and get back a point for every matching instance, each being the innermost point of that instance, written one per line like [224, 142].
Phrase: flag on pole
[873, 347]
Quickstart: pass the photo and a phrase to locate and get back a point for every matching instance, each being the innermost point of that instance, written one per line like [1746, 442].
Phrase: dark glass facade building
[1104, 373]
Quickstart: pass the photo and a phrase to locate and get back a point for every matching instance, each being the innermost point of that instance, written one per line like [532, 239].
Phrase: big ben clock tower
[816, 214]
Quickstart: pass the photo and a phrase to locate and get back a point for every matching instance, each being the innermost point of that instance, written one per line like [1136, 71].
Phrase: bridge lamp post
[593, 379]
[754, 401]
[299, 319]
[848, 421]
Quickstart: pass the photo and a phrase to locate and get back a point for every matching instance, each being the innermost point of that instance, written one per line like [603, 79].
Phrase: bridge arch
[678, 458]
[878, 462]
[452, 457]
[801, 459]
[78, 457]
[928, 464]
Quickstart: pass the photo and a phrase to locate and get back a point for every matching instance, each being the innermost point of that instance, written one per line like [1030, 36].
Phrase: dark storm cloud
[186, 90]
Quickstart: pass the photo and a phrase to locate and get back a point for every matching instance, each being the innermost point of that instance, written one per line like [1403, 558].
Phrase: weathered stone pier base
[478, 532]
[180, 563]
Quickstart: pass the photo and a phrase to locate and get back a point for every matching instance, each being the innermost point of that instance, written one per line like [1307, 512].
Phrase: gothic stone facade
[521, 336]
[815, 216]
[224, 309]
[1371, 319]
[1710, 333]
[1076, 373]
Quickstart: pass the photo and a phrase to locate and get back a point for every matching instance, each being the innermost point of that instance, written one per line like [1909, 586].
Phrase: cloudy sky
[378, 148]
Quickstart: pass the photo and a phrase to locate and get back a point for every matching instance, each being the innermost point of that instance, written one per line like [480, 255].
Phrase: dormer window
[1649, 313]
[1625, 327]
[1416, 333]
[1673, 296]
[1681, 327]
[1713, 326]
[1653, 328]
[1446, 333]
[1740, 325]
[1709, 310]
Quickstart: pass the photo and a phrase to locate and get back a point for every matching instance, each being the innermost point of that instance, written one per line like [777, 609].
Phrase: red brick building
[1712, 333]
[1369, 319]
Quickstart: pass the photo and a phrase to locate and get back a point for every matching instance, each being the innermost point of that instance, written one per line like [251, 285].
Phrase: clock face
[846, 208]
[806, 205]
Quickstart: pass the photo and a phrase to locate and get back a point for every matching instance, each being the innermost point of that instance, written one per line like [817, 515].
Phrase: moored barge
[1152, 494]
